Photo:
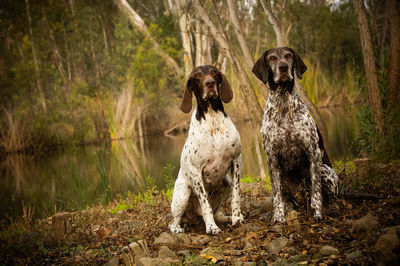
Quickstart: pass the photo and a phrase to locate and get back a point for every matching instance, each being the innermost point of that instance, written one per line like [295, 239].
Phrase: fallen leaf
[209, 257]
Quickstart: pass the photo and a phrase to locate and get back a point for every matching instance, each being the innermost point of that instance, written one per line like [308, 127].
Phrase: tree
[394, 67]
[246, 89]
[184, 28]
[138, 23]
[371, 73]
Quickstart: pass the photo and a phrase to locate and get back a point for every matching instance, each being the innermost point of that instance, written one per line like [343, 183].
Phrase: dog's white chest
[212, 144]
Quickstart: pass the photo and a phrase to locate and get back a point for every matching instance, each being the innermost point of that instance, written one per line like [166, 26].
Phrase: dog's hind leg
[330, 180]
[219, 198]
[237, 216]
[180, 200]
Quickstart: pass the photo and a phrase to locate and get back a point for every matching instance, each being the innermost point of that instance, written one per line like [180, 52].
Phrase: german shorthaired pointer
[212, 149]
[291, 139]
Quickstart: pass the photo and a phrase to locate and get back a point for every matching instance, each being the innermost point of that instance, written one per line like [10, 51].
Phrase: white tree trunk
[184, 28]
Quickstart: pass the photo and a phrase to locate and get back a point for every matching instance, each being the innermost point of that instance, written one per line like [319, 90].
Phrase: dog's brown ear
[260, 68]
[299, 65]
[186, 104]
[225, 89]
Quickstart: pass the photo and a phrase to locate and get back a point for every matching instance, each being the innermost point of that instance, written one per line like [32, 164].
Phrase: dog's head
[277, 65]
[208, 84]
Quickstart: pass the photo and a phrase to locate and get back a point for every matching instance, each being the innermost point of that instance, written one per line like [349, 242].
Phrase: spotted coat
[291, 138]
[211, 151]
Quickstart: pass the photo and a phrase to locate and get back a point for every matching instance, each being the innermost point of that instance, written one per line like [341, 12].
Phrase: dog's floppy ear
[225, 89]
[186, 104]
[298, 64]
[260, 68]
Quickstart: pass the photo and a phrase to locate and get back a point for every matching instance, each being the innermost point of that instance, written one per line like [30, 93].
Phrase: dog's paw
[237, 219]
[318, 217]
[176, 229]
[213, 229]
[279, 218]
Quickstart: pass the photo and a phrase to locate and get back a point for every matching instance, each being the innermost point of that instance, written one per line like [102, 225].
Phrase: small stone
[165, 239]
[137, 250]
[267, 205]
[292, 219]
[354, 255]
[388, 240]
[113, 262]
[277, 244]
[200, 239]
[366, 224]
[248, 245]
[165, 253]
[328, 250]
[146, 261]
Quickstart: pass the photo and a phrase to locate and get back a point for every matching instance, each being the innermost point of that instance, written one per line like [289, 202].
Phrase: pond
[72, 179]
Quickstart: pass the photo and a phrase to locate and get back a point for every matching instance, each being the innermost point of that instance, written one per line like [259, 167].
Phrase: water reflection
[82, 176]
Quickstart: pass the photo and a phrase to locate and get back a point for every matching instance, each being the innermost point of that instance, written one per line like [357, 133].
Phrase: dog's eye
[197, 75]
[287, 56]
[213, 71]
[272, 58]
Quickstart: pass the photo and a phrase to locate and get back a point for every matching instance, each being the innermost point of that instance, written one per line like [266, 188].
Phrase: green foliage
[349, 167]
[248, 179]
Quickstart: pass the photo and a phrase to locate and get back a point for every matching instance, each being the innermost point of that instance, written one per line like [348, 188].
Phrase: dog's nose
[283, 67]
[210, 82]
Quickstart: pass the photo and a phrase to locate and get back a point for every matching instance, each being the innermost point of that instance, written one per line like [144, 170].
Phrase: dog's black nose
[210, 82]
[283, 67]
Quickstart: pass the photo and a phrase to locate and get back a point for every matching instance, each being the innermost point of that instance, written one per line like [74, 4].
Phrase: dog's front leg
[276, 178]
[316, 195]
[180, 200]
[236, 176]
[201, 194]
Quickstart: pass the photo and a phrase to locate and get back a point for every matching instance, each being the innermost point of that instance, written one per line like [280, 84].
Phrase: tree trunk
[139, 24]
[184, 28]
[199, 43]
[394, 67]
[371, 73]
[281, 35]
[246, 89]
[240, 35]
[35, 60]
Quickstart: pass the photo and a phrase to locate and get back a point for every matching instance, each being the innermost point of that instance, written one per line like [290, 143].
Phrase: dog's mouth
[210, 92]
[283, 77]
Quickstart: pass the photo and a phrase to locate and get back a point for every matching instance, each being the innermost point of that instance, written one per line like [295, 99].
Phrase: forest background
[81, 72]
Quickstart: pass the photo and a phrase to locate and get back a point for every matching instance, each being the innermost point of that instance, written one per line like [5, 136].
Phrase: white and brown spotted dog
[211, 151]
[291, 139]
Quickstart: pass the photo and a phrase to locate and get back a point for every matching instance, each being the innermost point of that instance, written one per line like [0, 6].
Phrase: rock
[365, 224]
[248, 245]
[277, 244]
[363, 167]
[328, 250]
[113, 262]
[388, 240]
[267, 205]
[200, 239]
[292, 219]
[165, 253]
[212, 253]
[62, 225]
[146, 261]
[137, 250]
[354, 255]
[165, 239]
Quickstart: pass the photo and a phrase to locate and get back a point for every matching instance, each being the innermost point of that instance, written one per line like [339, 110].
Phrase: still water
[82, 176]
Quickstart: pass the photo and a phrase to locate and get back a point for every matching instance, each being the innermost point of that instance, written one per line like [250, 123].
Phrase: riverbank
[359, 231]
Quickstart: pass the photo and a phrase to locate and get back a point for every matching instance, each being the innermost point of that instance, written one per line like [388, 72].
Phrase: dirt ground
[96, 236]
